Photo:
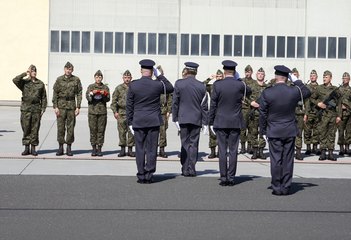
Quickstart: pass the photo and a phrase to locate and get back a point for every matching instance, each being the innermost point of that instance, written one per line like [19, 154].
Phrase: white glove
[265, 138]
[292, 77]
[205, 129]
[131, 129]
[236, 75]
[157, 72]
[212, 130]
[177, 125]
[91, 93]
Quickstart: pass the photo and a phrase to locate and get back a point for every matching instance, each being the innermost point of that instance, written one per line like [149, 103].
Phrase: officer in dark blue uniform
[144, 117]
[278, 125]
[189, 112]
[226, 119]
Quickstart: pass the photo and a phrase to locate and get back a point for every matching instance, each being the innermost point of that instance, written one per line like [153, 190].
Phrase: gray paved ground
[47, 197]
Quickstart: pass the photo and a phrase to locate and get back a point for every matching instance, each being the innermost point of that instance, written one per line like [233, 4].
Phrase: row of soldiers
[328, 109]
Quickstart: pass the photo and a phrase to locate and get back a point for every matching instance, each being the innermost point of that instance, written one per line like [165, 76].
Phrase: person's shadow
[163, 177]
[244, 178]
[298, 186]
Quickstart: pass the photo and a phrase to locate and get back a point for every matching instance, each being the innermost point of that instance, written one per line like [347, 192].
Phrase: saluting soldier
[226, 120]
[66, 99]
[144, 117]
[98, 94]
[257, 140]
[33, 105]
[344, 128]
[328, 100]
[118, 106]
[245, 132]
[299, 113]
[189, 112]
[311, 119]
[278, 125]
[209, 83]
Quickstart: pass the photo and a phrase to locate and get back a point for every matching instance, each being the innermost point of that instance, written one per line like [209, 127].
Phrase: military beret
[314, 72]
[69, 65]
[98, 73]
[260, 70]
[147, 63]
[191, 65]
[127, 73]
[282, 70]
[219, 72]
[346, 75]
[294, 70]
[33, 68]
[327, 72]
[248, 68]
[229, 65]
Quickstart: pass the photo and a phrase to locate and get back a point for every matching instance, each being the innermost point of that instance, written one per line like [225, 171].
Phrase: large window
[172, 44]
[205, 44]
[65, 41]
[312, 43]
[151, 43]
[332, 47]
[291, 46]
[55, 41]
[281, 46]
[300, 47]
[108, 42]
[129, 47]
[322, 47]
[270, 46]
[342, 48]
[215, 42]
[248, 46]
[75, 42]
[238, 45]
[195, 44]
[228, 45]
[258, 46]
[118, 42]
[162, 44]
[98, 42]
[184, 41]
[141, 43]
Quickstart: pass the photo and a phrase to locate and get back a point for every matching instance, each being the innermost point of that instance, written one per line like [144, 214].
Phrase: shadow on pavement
[163, 177]
[207, 171]
[297, 186]
[244, 178]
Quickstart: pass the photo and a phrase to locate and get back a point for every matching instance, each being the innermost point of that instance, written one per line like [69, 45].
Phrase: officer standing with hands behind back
[278, 124]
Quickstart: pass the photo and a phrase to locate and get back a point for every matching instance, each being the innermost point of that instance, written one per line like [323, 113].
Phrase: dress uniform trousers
[281, 153]
[146, 141]
[228, 138]
[189, 135]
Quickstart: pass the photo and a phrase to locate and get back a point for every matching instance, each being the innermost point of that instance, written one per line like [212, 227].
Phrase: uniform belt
[30, 100]
[68, 98]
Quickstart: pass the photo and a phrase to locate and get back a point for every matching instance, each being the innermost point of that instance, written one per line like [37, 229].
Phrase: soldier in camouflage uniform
[245, 132]
[118, 106]
[299, 113]
[33, 106]
[166, 110]
[97, 95]
[66, 99]
[311, 119]
[330, 115]
[258, 142]
[209, 83]
[344, 128]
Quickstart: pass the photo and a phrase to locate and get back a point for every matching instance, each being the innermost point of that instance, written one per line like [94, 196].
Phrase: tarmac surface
[84, 197]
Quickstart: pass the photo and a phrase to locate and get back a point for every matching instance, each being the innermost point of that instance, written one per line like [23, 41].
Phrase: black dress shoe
[148, 181]
[230, 183]
[141, 181]
[223, 183]
[276, 193]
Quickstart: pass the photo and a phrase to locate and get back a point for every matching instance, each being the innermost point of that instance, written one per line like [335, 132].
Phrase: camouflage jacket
[119, 99]
[97, 102]
[67, 93]
[166, 103]
[310, 106]
[249, 83]
[345, 92]
[256, 89]
[321, 94]
[33, 94]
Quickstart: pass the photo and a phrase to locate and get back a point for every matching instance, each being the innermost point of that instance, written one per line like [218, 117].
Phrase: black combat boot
[213, 153]
[261, 154]
[26, 150]
[243, 148]
[69, 150]
[122, 153]
[130, 152]
[60, 150]
[32, 150]
[99, 152]
[249, 149]
[342, 150]
[162, 153]
[347, 149]
[308, 150]
[93, 152]
[255, 153]
[322, 156]
[318, 151]
[331, 155]
[298, 155]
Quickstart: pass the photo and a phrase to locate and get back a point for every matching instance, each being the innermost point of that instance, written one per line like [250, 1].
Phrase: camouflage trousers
[65, 126]
[244, 132]
[327, 131]
[310, 130]
[163, 129]
[97, 126]
[30, 123]
[300, 127]
[123, 130]
[254, 137]
[344, 128]
[212, 139]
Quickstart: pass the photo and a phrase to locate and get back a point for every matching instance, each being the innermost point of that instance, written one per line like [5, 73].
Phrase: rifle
[330, 102]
